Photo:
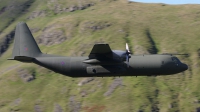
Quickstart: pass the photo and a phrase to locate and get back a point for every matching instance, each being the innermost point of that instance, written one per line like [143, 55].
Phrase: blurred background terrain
[71, 28]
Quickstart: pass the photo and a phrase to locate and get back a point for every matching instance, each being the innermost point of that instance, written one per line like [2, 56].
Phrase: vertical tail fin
[24, 43]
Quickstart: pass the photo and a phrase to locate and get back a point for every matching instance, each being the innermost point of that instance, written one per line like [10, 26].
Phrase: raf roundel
[26, 49]
[62, 63]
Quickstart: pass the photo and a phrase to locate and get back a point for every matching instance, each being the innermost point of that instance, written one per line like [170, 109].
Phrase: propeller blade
[127, 48]
[127, 54]
[127, 60]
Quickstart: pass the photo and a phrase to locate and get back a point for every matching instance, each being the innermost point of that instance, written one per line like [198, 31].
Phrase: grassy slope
[172, 28]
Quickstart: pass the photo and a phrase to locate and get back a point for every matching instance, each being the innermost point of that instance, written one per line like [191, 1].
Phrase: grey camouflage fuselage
[102, 62]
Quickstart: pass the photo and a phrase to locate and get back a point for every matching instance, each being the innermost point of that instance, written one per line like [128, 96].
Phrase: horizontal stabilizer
[22, 59]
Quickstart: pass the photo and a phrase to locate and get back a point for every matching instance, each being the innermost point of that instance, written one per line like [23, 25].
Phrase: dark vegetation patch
[12, 11]
[155, 102]
[198, 51]
[126, 31]
[5, 42]
[152, 49]
[2, 10]
[174, 104]
[8, 14]
[4, 103]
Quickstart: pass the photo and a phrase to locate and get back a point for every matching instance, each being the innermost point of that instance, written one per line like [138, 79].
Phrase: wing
[101, 54]
[100, 51]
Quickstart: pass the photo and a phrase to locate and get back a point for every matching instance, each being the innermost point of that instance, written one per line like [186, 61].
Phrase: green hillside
[72, 27]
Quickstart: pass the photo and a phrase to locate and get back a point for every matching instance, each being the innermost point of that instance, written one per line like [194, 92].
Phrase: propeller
[127, 54]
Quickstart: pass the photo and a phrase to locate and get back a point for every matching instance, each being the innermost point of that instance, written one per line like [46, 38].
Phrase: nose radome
[184, 67]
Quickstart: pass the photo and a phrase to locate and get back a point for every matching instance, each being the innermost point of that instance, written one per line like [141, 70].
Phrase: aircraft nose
[184, 67]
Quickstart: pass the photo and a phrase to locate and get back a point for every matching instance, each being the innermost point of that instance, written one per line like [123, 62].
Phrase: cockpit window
[175, 60]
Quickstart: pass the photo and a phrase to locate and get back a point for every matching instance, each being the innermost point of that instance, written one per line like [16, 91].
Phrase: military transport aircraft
[101, 62]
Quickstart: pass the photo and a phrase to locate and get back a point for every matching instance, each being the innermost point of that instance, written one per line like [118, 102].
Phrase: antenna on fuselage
[175, 54]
